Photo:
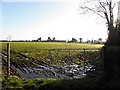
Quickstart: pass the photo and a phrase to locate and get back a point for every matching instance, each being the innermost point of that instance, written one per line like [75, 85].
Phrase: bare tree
[39, 39]
[80, 40]
[100, 40]
[103, 8]
[74, 40]
[53, 39]
[49, 39]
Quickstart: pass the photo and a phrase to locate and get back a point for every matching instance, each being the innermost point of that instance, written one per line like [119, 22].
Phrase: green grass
[60, 53]
[14, 82]
[36, 46]
[56, 50]
[93, 80]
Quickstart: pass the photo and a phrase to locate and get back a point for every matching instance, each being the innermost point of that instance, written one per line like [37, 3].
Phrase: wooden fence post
[84, 62]
[8, 59]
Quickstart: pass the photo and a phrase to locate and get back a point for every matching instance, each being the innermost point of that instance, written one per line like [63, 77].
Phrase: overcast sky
[30, 19]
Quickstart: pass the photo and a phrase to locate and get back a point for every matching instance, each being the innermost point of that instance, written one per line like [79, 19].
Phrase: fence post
[8, 59]
[84, 62]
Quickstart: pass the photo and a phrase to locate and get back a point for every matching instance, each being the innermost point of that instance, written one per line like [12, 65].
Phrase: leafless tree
[103, 8]
[80, 40]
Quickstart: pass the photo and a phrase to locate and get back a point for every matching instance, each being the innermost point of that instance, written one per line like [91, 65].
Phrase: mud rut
[28, 67]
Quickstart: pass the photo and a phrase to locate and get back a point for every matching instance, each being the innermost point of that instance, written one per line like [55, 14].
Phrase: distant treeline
[32, 41]
[49, 39]
[88, 41]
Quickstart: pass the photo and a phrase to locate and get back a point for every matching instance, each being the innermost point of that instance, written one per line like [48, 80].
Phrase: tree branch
[102, 8]
[91, 9]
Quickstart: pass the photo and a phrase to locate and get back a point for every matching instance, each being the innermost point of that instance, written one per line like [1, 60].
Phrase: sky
[31, 19]
[119, 11]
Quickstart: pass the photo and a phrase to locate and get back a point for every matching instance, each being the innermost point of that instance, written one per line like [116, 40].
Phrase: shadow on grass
[95, 79]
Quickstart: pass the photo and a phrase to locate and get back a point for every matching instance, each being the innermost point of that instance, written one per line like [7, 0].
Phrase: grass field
[57, 51]
[31, 54]
[40, 51]
[35, 46]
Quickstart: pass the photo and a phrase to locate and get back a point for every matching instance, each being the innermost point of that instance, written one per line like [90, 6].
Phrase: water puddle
[67, 72]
